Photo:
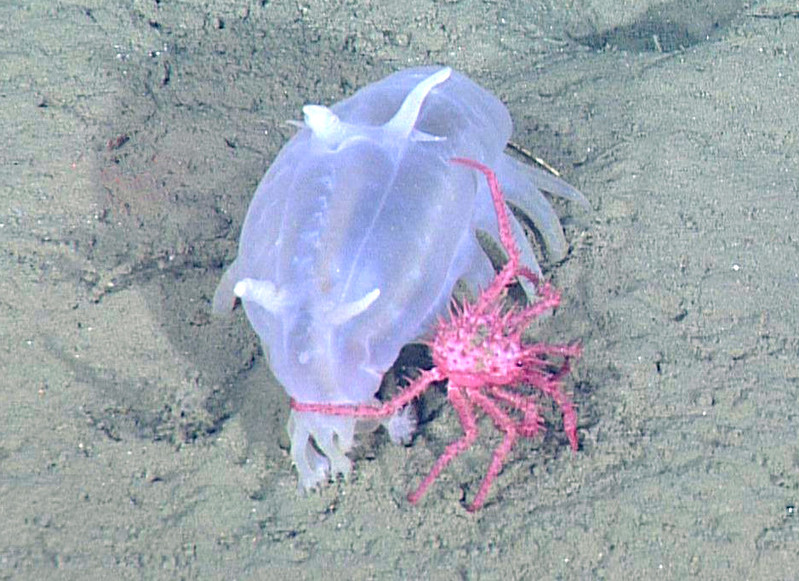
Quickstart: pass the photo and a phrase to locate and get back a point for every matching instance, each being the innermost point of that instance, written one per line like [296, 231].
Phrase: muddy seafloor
[144, 439]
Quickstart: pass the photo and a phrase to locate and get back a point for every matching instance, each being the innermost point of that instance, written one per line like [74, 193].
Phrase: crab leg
[384, 410]
[505, 424]
[468, 421]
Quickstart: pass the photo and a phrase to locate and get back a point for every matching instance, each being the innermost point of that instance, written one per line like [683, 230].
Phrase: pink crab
[480, 351]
